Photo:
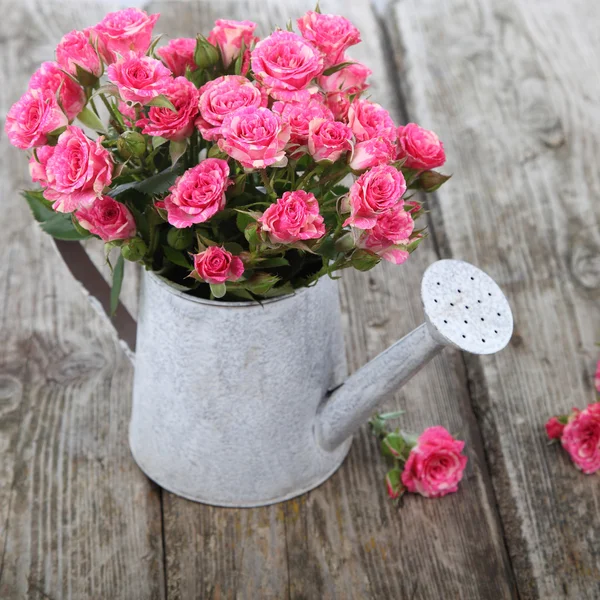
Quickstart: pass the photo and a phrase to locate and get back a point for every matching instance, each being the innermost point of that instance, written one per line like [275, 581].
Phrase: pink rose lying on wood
[240, 166]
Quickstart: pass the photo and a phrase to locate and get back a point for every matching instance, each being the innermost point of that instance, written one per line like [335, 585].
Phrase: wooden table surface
[512, 88]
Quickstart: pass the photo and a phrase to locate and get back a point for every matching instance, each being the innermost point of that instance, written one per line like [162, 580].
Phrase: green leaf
[177, 258]
[60, 226]
[117, 282]
[157, 184]
[363, 260]
[218, 290]
[239, 61]
[393, 445]
[90, 119]
[337, 68]
[240, 293]
[162, 102]
[289, 26]
[276, 261]
[243, 220]
[327, 248]
[40, 207]
[261, 283]
[177, 150]
[282, 290]
[150, 51]
[158, 141]
[393, 482]
[233, 247]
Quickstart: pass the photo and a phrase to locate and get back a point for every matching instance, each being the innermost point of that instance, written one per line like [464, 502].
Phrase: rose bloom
[256, 137]
[223, 96]
[32, 118]
[350, 80]
[581, 439]
[370, 153]
[369, 120]
[228, 37]
[331, 34]
[108, 219]
[294, 217]
[298, 116]
[554, 428]
[393, 228]
[75, 49]
[435, 465]
[421, 148]
[285, 65]
[78, 170]
[173, 125]
[328, 140]
[124, 30]
[178, 55]
[198, 194]
[372, 193]
[216, 265]
[37, 164]
[139, 78]
[50, 77]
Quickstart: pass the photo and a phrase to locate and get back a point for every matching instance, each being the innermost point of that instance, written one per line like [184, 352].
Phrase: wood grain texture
[512, 88]
[346, 540]
[77, 518]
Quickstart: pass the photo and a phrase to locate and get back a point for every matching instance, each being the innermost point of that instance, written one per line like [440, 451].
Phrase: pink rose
[285, 65]
[298, 116]
[581, 439]
[108, 219]
[124, 30]
[369, 120]
[223, 96]
[215, 265]
[294, 217]
[139, 78]
[331, 34]
[328, 140]
[50, 77]
[256, 137]
[75, 49]
[198, 194]
[173, 125]
[421, 148]
[370, 153]
[350, 80]
[435, 465]
[35, 115]
[178, 55]
[392, 228]
[228, 37]
[554, 428]
[37, 164]
[128, 112]
[372, 193]
[339, 104]
[78, 170]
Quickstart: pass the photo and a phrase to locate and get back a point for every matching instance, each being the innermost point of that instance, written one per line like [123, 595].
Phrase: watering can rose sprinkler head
[464, 308]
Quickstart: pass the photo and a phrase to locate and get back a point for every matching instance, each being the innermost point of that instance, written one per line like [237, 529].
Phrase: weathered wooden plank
[511, 87]
[345, 540]
[77, 518]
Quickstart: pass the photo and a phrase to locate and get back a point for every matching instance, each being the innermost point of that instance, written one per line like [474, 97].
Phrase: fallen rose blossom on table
[236, 166]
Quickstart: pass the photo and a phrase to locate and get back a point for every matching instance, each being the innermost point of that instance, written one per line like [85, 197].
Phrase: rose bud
[216, 266]
[180, 239]
[205, 55]
[131, 143]
[135, 249]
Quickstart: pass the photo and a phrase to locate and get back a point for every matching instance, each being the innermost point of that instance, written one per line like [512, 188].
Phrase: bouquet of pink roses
[232, 166]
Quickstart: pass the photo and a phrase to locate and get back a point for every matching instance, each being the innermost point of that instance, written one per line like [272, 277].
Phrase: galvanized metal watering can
[245, 404]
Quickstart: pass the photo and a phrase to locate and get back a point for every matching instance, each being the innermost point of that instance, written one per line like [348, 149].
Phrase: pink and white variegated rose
[294, 217]
[178, 55]
[33, 118]
[371, 153]
[229, 36]
[331, 34]
[198, 194]
[76, 50]
[78, 171]
[436, 465]
[220, 98]
[175, 124]
[369, 120]
[216, 265]
[348, 82]
[256, 137]
[51, 78]
[420, 148]
[123, 31]
[139, 78]
[373, 192]
[328, 140]
[108, 219]
[393, 228]
[286, 65]
[37, 164]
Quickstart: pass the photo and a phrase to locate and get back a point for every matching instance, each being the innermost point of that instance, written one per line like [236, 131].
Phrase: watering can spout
[464, 308]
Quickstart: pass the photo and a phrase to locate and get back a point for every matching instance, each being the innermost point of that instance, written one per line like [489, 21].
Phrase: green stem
[112, 113]
[265, 180]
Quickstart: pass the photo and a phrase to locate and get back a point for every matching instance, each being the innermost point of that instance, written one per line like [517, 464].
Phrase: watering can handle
[86, 273]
